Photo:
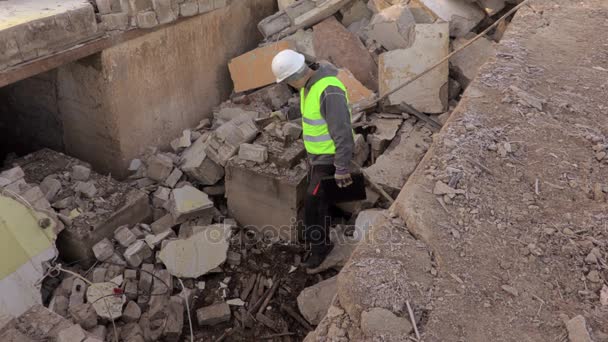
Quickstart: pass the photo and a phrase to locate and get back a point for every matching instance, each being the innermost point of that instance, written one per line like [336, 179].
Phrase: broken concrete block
[84, 315]
[361, 150]
[253, 69]
[175, 320]
[115, 21]
[104, 6]
[492, 7]
[274, 96]
[225, 141]
[198, 254]
[429, 93]
[188, 202]
[159, 167]
[359, 29]
[406, 151]
[106, 303]
[103, 250]
[50, 187]
[173, 178]
[153, 241]
[87, 189]
[124, 236]
[147, 19]
[213, 314]
[462, 15]
[10, 176]
[467, 62]
[292, 130]
[577, 330]
[163, 224]
[255, 153]
[136, 6]
[393, 27]
[333, 42]
[278, 199]
[303, 42]
[365, 221]
[314, 301]
[182, 142]
[284, 4]
[98, 275]
[386, 130]
[165, 12]
[72, 334]
[100, 332]
[274, 24]
[381, 322]
[313, 11]
[132, 312]
[188, 9]
[228, 113]
[197, 165]
[355, 11]
[160, 197]
[357, 92]
[137, 253]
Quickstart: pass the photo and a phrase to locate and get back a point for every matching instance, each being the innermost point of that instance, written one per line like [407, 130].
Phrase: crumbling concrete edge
[419, 218]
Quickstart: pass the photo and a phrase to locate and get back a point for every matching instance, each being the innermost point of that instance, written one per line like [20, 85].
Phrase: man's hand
[343, 178]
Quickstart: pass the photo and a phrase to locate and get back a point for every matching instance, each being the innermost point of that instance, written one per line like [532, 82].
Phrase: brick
[159, 167]
[355, 11]
[274, 97]
[429, 93]
[124, 236]
[103, 250]
[160, 197]
[147, 19]
[225, 141]
[163, 224]
[333, 42]
[188, 202]
[50, 187]
[253, 69]
[115, 21]
[213, 314]
[462, 15]
[71, 334]
[173, 178]
[137, 253]
[393, 27]
[132, 312]
[188, 9]
[292, 130]
[84, 315]
[164, 11]
[87, 189]
[197, 165]
[255, 153]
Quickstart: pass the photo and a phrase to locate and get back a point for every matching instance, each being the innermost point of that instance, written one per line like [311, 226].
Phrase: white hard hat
[286, 63]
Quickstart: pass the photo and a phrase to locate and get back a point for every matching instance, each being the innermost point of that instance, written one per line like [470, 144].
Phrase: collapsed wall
[505, 236]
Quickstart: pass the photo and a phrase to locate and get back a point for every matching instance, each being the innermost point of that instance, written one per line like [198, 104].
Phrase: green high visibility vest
[314, 128]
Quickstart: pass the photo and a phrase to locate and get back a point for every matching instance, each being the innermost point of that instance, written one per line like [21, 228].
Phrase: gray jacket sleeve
[334, 109]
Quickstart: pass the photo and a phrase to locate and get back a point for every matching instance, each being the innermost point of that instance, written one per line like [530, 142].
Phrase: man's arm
[334, 109]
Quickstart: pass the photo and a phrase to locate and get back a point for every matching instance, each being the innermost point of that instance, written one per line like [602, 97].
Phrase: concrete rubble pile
[160, 241]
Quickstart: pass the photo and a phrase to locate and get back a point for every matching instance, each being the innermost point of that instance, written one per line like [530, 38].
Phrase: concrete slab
[34, 28]
[253, 69]
[462, 15]
[266, 199]
[333, 42]
[429, 94]
[466, 63]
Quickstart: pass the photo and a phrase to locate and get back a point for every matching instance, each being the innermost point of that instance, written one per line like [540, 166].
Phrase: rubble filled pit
[198, 223]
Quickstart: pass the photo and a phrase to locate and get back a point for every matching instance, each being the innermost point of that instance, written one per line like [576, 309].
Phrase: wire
[188, 311]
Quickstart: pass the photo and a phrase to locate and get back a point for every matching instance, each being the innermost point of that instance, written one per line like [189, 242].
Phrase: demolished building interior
[188, 228]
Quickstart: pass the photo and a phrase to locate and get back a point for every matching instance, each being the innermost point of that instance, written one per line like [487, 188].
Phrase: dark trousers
[316, 208]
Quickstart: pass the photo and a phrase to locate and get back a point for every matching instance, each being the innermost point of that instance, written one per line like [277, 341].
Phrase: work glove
[343, 178]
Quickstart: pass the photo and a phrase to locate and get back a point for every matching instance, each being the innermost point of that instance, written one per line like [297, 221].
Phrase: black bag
[353, 192]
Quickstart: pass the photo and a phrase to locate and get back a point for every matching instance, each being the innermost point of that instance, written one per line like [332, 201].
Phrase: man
[328, 138]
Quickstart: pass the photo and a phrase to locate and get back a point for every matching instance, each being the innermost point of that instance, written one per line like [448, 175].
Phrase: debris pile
[205, 229]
